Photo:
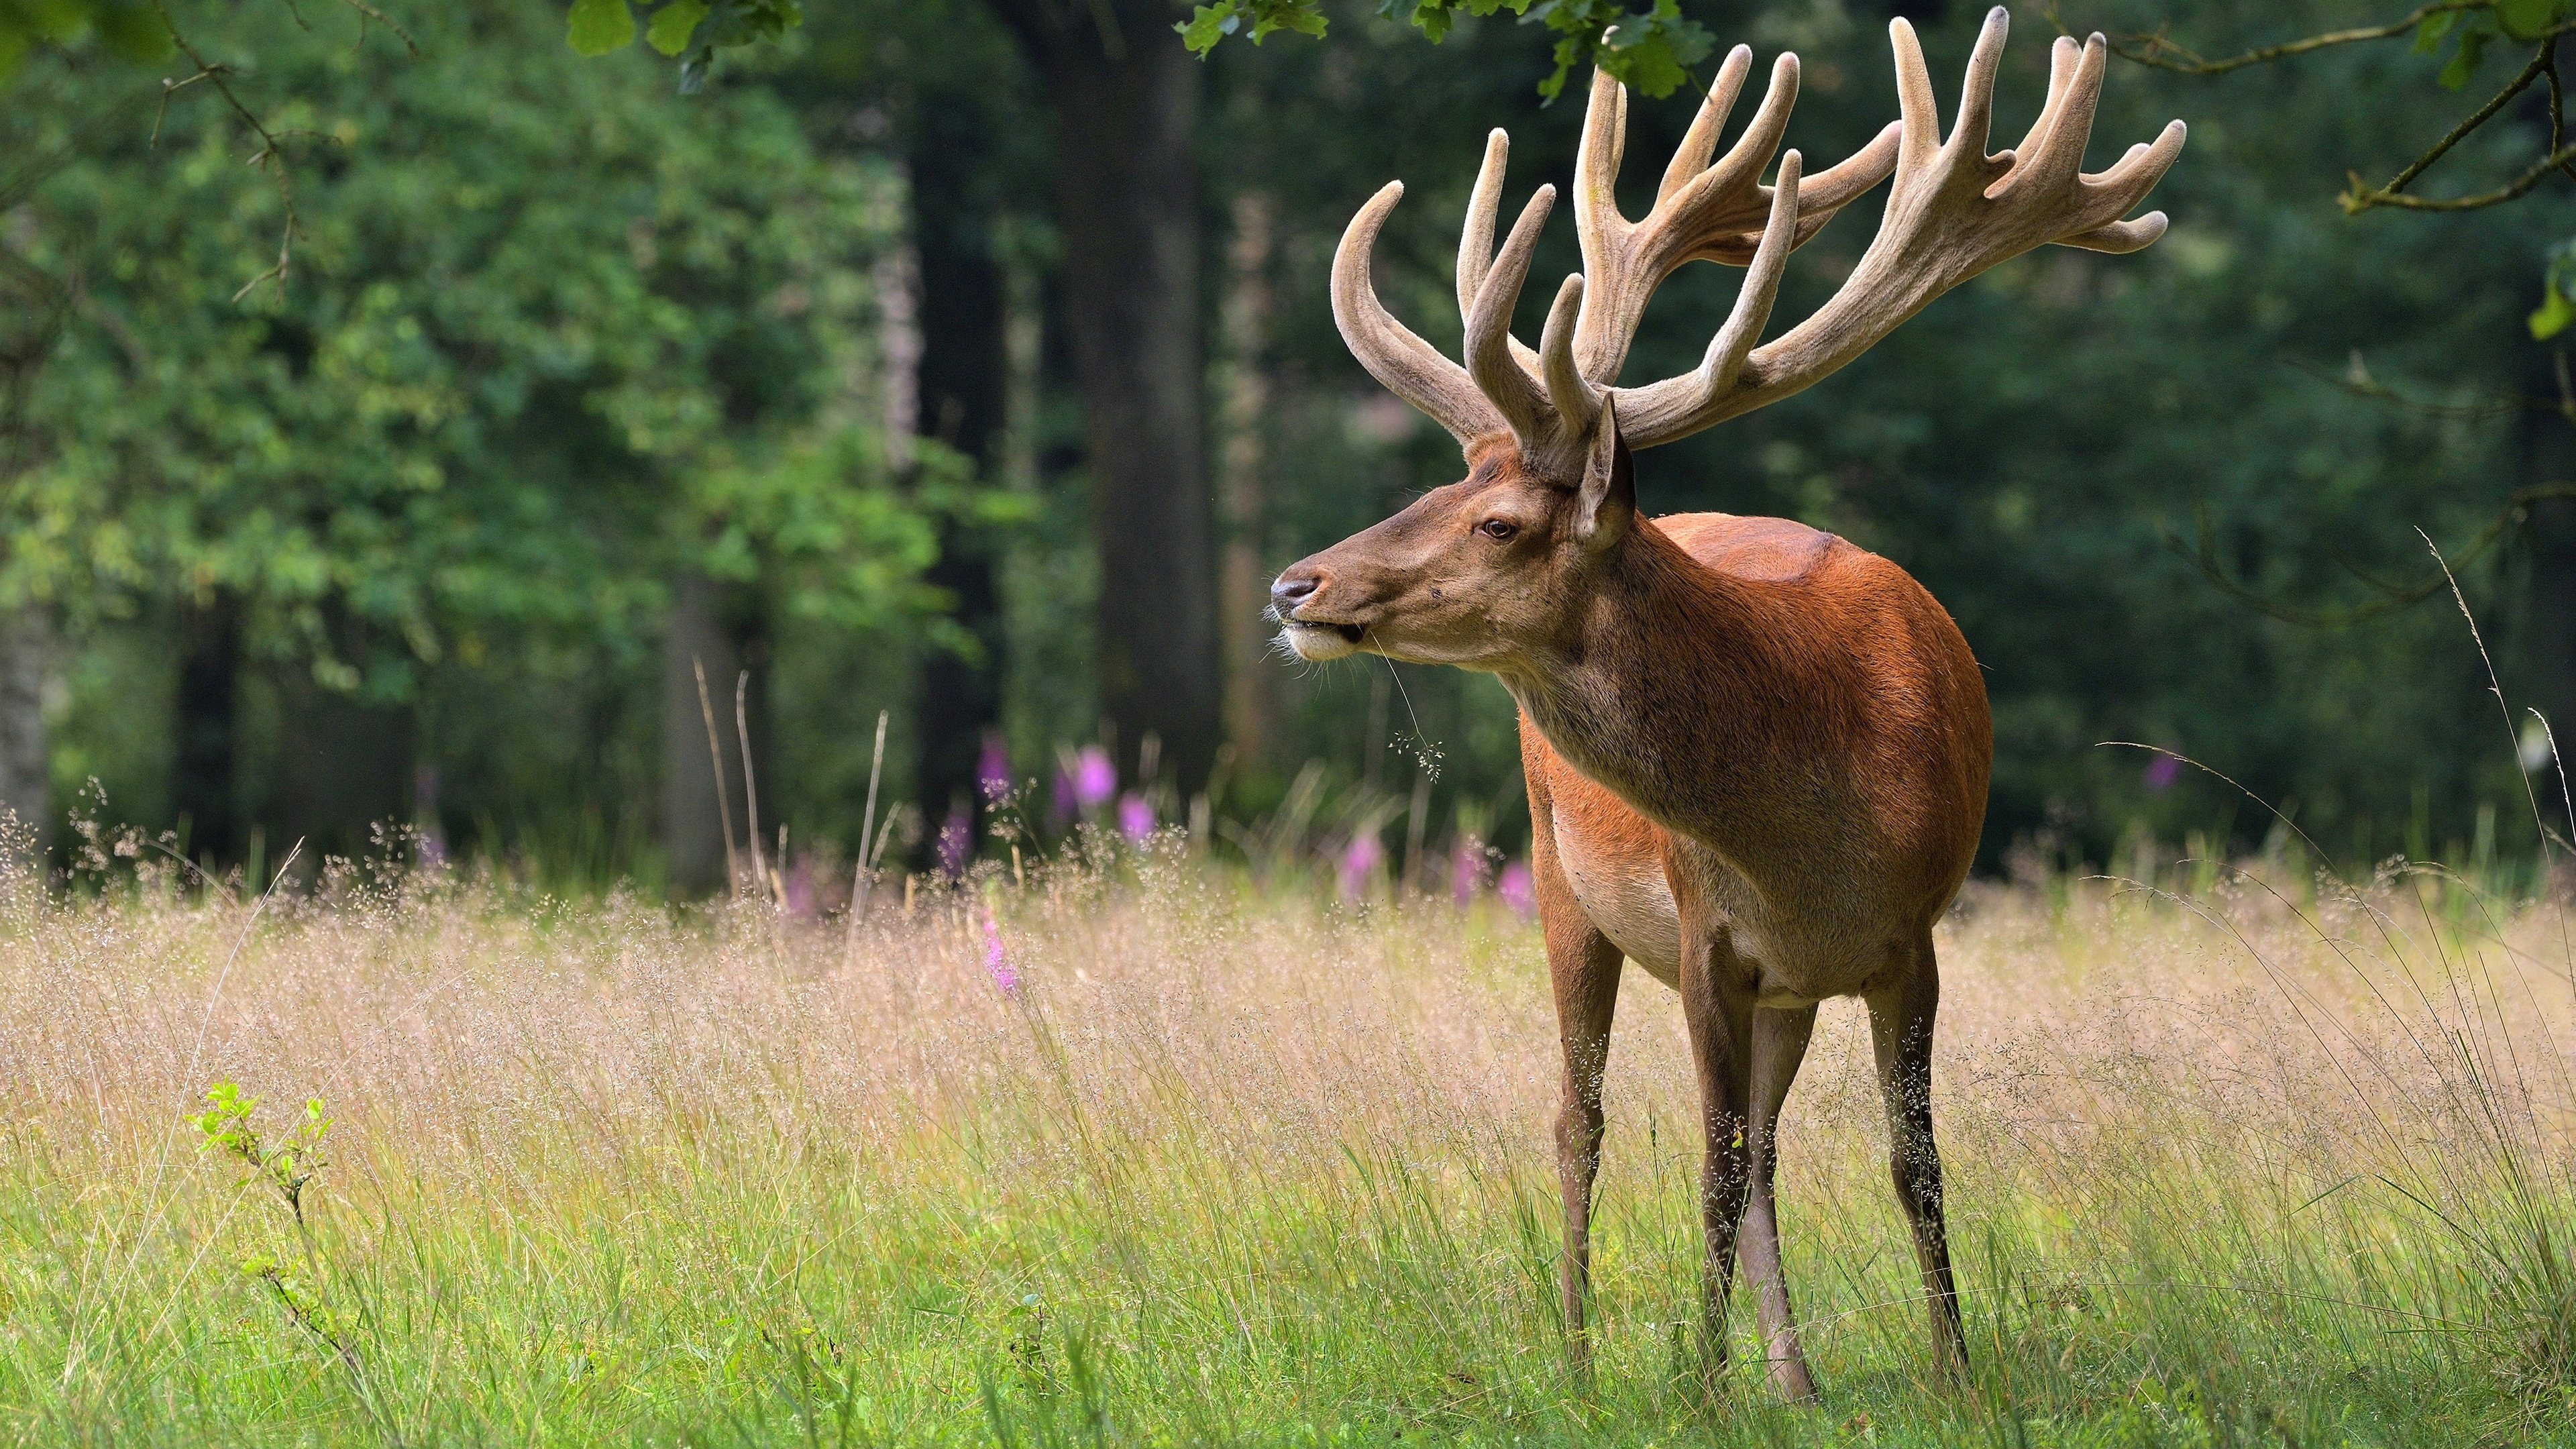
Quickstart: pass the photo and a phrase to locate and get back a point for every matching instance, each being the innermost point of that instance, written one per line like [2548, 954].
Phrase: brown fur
[1757, 760]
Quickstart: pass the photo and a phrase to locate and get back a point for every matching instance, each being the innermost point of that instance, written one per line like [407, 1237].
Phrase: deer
[1756, 754]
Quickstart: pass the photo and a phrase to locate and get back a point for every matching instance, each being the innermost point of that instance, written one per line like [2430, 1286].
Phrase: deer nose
[1295, 587]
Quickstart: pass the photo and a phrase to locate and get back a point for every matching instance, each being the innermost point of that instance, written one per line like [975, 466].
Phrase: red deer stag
[1756, 755]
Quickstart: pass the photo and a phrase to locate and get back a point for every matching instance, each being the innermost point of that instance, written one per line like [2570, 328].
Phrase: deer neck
[1679, 688]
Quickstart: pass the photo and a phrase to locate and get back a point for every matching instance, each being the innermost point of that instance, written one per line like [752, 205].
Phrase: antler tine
[1762, 134]
[1953, 212]
[1699, 143]
[1508, 386]
[1597, 222]
[1752, 310]
[1409, 367]
[2054, 150]
[1968, 135]
[1648, 410]
[1820, 198]
[1476, 242]
[1577, 403]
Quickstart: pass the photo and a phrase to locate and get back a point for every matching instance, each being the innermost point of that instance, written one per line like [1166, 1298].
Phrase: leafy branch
[1650, 51]
[690, 31]
[2158, 49]
[287, 1166]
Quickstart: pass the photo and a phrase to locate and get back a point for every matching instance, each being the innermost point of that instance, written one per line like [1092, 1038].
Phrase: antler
[1703, 211]
[1411, 368]
[1953, 212]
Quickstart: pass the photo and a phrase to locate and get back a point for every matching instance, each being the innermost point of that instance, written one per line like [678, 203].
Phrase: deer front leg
[1584, 968]
[1900, 1032]
[1717, 1008]
[1779, 1045]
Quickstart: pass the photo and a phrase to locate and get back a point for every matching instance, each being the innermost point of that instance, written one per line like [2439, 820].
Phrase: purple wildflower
[1064, 803]
[1136, 817]
[997, 962]
[1359, 860]
[956, 840]
[993, 769]
[2162, 771]
[1094, 778]
[1518, 890]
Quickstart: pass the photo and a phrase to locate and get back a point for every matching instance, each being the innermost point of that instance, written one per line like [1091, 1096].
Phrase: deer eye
[1498, 529]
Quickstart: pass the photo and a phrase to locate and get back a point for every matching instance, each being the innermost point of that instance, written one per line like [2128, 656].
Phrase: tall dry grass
[1138, 1152]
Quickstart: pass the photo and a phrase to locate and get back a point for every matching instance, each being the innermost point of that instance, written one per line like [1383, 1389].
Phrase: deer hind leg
[1900, 1029]
[1584, 967]
[1779, 1045]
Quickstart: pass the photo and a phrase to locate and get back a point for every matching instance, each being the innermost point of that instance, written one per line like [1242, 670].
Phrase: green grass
[1245, 1167]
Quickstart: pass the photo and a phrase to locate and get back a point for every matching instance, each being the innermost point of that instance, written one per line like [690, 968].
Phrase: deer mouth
[1321, 639]
[1348, 633]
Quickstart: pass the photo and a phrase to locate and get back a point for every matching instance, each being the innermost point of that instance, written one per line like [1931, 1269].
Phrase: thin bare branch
[2357, 381]
[2155, 48]
[2479, 117]
[2358, 200]
[367, 12]
[2393, 596]
[269, 158]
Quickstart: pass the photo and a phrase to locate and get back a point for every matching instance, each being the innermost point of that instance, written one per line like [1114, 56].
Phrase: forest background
[968, 362]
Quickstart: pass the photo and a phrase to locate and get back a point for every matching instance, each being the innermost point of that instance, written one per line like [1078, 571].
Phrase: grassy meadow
[1136, 1150]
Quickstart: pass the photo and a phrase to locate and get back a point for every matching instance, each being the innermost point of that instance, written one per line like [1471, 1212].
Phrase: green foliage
[125, 27]
[2555, 310]
[600, 26]
[1650, 51]
[619, 353]
[2470, 29]
[1209, 24]
[692, 31]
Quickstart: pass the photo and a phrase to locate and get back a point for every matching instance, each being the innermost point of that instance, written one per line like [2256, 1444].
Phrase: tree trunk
[2548, 648]
[26, 655]
[1125, 100]
[706, 801]
[963, 397]
[345, 765]
[1245, 568]
[202, 787]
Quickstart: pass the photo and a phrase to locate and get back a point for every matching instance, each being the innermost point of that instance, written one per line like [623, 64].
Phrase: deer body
[1757, 756]
[1754, 654]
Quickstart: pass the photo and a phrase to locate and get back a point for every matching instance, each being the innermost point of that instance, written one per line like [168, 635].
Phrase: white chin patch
[1317, 644]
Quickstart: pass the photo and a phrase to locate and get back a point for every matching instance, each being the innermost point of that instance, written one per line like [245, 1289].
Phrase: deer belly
[1625, 896]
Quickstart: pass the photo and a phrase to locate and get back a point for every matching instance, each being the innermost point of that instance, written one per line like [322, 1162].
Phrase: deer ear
[1607, 503]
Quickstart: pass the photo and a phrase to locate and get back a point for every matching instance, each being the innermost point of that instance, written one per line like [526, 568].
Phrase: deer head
[1488, 568]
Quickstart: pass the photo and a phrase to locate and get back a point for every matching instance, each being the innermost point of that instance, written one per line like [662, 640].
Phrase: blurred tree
[2527, 115]
[527, 372]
